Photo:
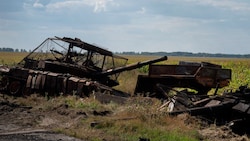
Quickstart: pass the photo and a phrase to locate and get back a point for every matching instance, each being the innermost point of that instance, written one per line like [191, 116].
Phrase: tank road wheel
[4, 84]
[26, 91]
[15, 88]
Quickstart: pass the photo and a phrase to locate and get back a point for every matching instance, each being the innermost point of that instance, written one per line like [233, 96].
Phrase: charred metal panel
[60, 84]
[80, 87]
[19, 73]
[241, 107]
[50, 82]
[33, 84]
[38, 82]
[29, 81]
[212, 103]
[148, 83]
[164, 70]
[72, 84]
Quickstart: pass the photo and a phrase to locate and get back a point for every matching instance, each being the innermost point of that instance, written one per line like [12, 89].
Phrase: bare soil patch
[27, 123]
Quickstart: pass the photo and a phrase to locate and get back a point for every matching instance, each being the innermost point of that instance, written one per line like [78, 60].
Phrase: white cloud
[142, 10]
[38, 5]
[98, 5]
[164, 23]
[225, 4]
[63, 4]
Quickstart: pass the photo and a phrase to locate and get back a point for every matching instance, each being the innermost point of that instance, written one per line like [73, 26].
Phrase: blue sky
[207, 26]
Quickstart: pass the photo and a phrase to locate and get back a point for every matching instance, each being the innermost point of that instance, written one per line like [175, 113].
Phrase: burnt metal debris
[72, 66]
[231, 108]
[199, 76]
[66, 66]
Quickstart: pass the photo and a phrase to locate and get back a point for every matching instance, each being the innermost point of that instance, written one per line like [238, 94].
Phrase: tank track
[21, 81]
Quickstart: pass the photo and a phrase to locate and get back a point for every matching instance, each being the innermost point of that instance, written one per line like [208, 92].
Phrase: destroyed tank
[64, 66]
[200, 77]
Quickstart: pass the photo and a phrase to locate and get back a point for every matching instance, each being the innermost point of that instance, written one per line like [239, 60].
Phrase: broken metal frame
[199, 76]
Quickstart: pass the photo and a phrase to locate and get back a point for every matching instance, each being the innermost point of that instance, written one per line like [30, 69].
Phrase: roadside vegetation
[138, 118]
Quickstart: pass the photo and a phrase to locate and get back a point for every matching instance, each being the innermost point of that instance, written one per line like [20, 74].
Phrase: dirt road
[35, 135]
[23, 123]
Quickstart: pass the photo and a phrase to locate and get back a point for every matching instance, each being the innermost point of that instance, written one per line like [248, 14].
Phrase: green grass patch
[134, 129]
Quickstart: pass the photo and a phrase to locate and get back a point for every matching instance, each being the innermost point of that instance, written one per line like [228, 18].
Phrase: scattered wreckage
[167, 82]
[231, 108]
[72, 66]
[184, 89]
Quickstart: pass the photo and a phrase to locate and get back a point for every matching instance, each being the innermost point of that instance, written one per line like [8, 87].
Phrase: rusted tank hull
[25, 81]
[199, 76]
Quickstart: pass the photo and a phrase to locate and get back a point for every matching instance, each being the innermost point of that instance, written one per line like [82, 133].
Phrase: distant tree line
[187, 54]
[7, 49]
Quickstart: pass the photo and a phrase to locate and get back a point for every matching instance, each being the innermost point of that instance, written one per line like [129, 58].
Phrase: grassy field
[139, 117]
[10, 58]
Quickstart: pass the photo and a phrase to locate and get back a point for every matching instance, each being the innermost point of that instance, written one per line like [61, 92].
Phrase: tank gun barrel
[132, 66]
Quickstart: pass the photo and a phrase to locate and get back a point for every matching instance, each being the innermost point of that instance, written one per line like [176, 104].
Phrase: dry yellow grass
[11, 58]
